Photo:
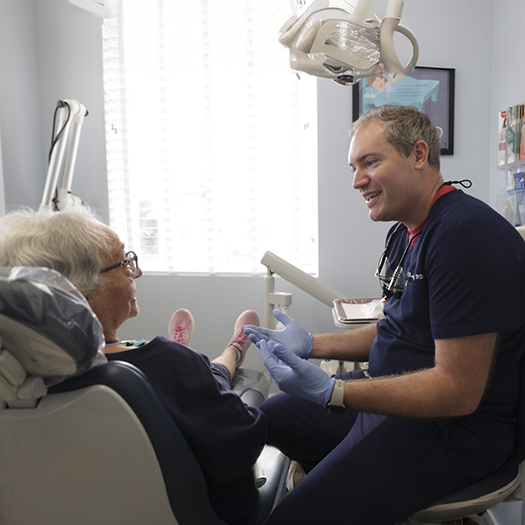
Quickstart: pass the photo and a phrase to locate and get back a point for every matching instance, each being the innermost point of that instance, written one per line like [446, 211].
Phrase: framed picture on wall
[430, 89]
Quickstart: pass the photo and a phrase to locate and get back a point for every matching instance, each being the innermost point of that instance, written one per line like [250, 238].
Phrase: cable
[54, 140]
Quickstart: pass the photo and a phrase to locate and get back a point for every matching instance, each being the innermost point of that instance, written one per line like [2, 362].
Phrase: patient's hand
[293, 336]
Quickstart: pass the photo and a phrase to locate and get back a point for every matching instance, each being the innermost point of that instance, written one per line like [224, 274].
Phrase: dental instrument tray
[358, 311]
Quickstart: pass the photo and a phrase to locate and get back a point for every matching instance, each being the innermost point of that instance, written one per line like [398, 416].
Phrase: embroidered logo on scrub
[415, 277]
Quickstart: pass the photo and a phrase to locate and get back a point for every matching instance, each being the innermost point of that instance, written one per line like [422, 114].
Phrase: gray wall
[20, 102]
[49, 50]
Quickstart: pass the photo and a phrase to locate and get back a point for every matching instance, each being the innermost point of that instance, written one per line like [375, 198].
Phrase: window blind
[211, 138]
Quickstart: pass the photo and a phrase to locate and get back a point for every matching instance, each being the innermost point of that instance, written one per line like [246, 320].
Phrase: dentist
[437, 407]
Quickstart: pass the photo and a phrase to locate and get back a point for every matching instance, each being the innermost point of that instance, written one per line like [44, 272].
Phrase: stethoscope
[392, 287]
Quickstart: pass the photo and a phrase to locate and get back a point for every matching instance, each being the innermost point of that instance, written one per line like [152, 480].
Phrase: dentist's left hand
[293, 336]
[294, 375]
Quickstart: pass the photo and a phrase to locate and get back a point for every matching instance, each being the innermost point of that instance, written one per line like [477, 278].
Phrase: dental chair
[84, 441]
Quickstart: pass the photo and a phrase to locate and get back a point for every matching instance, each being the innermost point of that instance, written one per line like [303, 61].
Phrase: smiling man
[436, 409]
[394, 173]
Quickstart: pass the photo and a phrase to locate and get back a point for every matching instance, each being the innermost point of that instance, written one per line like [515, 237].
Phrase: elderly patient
[225, 435]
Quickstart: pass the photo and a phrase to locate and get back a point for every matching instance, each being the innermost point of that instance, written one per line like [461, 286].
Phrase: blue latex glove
[294, 375]
[293, 336]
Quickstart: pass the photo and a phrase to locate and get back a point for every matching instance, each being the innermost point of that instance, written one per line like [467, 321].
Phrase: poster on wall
[429, 89]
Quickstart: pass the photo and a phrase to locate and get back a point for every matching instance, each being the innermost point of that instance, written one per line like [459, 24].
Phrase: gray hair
[69, 241]
[404, 126]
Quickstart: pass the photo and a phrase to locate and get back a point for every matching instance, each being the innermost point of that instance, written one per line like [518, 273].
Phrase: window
[211, 138]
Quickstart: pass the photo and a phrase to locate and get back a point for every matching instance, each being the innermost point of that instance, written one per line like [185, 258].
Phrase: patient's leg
[181, 328]
[233, 355]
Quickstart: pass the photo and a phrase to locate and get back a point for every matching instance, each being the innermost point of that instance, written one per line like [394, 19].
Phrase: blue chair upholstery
[185, 485]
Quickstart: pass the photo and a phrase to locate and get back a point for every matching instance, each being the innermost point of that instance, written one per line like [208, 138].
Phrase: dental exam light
[67, 125]
[297, 277]
[345, 41]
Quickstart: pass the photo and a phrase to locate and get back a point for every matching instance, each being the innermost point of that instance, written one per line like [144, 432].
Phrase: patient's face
[116, 302]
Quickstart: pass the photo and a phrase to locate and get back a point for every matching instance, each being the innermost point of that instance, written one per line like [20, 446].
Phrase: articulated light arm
[70, 117]
[297, 277]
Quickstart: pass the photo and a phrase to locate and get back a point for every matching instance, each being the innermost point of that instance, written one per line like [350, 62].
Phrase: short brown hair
[404, 126]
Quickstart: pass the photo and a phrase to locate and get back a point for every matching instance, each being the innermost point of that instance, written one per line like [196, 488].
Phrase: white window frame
[240, 180]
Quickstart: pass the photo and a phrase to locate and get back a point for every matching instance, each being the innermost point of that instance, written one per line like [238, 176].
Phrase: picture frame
[430, 89]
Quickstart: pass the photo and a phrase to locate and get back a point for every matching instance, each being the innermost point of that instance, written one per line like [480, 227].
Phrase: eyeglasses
[393, 283]
[131, 262]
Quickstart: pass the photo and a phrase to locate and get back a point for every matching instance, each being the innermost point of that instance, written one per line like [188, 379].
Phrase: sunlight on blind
[211, 138]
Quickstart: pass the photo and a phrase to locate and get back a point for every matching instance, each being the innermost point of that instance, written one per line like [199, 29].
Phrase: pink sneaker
[240, 340]
[181, 326]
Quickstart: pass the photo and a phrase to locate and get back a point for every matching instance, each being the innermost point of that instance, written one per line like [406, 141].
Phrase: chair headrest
[47, 324]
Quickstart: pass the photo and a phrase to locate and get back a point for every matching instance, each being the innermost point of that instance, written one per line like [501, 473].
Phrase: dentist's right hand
[294, 375]
[293, 336]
